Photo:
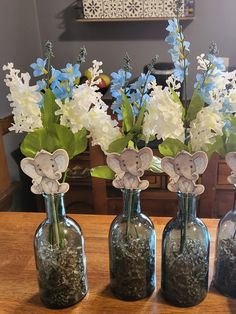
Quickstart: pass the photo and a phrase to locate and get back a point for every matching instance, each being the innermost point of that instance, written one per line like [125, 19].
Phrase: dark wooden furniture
[6, 186]
[18, 284]
[101, 198]
[97, 196]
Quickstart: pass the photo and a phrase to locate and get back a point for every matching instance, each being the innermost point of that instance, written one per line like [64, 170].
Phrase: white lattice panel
[108, 9]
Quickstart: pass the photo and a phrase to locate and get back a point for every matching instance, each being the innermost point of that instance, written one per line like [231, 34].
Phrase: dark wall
[20, 44]
[215, 20]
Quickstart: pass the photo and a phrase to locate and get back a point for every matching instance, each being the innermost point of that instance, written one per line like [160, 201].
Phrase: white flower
[24, 99]
[225, 91]
[173, 83]
[95, 72]
[74, 112]
[203, 63]
[102, 128]
[163, 118]
[206, 127]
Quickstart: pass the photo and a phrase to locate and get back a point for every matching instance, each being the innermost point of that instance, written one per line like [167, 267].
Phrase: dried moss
[225, 267]
[132, 268]
[61, 275]
[185, 275]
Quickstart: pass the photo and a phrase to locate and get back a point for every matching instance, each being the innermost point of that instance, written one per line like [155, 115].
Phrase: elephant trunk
[189, 174]
[134, 171]
[52, 174]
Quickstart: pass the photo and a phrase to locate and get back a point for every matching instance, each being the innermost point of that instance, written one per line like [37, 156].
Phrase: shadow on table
[107, 293]
[230, 301]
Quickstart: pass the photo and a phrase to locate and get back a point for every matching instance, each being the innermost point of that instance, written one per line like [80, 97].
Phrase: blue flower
[62, 90]
[173, 25]
[41, 85]
[55, 77]
[39, 67]
[142, 82]
[206, 79]
[217, 62]
[119, 79]
[180, 49]
[70, 72]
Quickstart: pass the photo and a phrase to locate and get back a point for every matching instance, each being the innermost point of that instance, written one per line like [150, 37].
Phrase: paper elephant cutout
[230, 159]
[184, 171]
[129, 166]
[45, 170]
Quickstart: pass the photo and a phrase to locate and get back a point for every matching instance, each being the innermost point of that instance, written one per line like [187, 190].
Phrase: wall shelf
[95, 20]
[88, 11]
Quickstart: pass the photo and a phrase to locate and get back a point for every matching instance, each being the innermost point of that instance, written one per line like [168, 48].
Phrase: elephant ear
[27, 166]
[61, 158]
[145, 154]
[200, 160]
[167, 165]
[113, 162]
[230, 159]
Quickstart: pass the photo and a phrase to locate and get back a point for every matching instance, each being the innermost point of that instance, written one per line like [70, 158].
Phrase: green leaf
[49, 108]
[231, 143]
[60, 136]
[50, 139]
[138, 124]
[120, 144]
[171, 147]
[196, 104]
[176, 99]
[127, 113]
[156, 165]
[81, 141]
[33, 142]
[217, 147]
[103, 172]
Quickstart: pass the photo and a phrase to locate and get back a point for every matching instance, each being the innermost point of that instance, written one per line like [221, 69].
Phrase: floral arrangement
[129, 107]
[147, 111]
[205, 123]
[57, 112]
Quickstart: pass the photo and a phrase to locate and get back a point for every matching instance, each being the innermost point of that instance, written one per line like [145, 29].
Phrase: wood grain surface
[18, 285]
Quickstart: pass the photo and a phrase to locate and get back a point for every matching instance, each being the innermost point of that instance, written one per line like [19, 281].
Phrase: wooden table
[18, 286]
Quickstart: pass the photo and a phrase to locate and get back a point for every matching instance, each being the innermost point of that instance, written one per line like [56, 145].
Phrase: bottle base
[57, 306]
[132, 297]
[230, 293]
[171, 301]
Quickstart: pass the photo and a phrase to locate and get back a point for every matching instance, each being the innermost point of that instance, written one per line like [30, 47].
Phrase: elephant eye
[53, 166]
[136, 162]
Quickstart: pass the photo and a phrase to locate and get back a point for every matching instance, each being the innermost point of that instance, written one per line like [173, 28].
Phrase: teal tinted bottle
[132, 248]
[185, 256]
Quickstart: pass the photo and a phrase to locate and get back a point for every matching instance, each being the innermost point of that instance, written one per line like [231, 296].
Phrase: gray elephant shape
[129, 166]
[45, 170]
[230, 159]
[184, 171]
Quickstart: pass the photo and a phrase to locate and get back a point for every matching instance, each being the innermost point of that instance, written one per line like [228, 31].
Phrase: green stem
[55, 221]
[234, 236]
[64, 176]
[183, 231]
[48, 70]
[129, 215]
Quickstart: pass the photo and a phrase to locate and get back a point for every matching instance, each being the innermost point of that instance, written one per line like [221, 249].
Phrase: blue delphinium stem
[234, 208]
[49, 54]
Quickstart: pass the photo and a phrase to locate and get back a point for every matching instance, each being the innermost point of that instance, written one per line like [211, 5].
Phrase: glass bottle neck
[131, 201]
[55, 209]
[234, 204]
[186, 206]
